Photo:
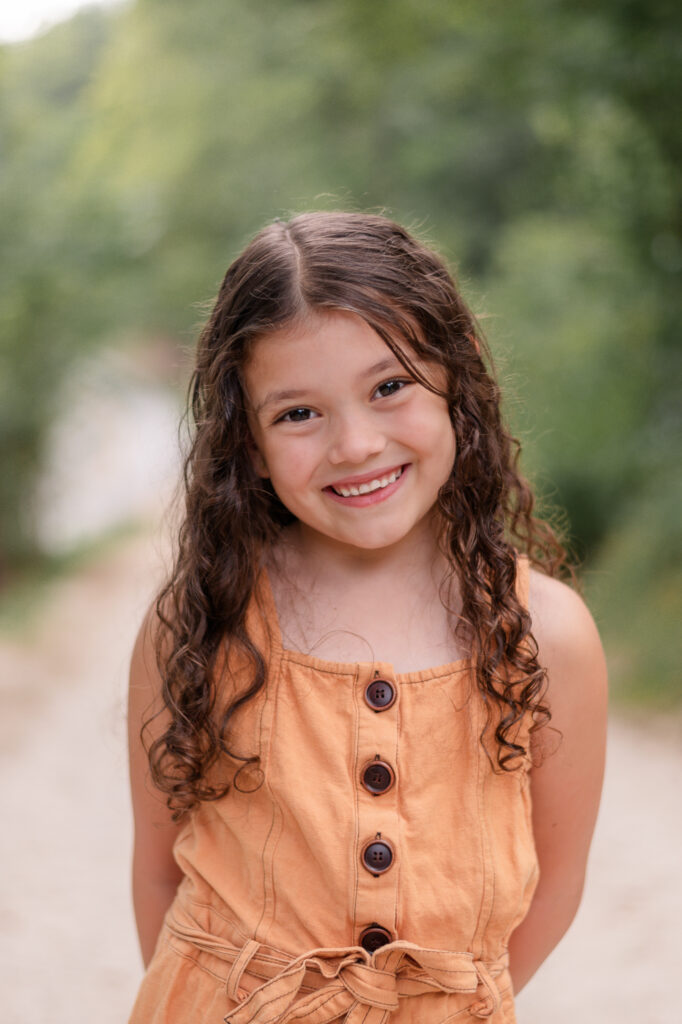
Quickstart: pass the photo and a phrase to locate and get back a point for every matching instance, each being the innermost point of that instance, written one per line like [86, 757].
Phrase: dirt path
[68, 947]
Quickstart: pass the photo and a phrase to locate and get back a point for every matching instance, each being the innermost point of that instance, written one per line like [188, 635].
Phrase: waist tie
[350, 984]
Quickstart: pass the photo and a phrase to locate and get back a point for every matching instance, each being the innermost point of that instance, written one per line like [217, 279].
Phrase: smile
[371, 485]
[372, 490]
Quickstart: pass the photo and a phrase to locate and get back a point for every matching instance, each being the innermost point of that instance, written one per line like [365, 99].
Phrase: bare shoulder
[561, 619]
[564, 629]
[570, 649]
[148, 718]
[145, 679]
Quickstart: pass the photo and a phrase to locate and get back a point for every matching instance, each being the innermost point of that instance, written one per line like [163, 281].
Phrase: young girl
[343, 691]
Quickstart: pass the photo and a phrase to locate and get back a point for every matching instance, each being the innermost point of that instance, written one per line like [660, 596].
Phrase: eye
[391, 387]
[300, 415]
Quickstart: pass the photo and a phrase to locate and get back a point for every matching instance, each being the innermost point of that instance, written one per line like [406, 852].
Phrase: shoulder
[145, 679]
[148, 718]
[145, 703]
[561, 620]
[569, 649]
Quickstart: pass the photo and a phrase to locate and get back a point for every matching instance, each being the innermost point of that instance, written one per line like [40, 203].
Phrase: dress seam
[274, 832]
[356, 795]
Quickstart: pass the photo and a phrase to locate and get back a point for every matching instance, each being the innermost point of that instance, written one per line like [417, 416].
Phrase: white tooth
[373, 485]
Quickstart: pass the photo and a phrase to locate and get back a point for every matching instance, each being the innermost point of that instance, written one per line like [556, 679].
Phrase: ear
[257, 460]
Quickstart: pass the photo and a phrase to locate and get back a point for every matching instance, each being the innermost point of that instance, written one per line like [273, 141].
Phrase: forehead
[330, 346]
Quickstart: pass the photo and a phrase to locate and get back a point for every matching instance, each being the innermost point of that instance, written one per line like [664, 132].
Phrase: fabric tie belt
[349, 983]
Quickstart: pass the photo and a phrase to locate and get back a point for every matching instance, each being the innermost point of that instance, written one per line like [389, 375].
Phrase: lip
[374, 497]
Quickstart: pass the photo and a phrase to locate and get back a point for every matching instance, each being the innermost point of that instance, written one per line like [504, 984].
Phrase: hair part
[372, 267]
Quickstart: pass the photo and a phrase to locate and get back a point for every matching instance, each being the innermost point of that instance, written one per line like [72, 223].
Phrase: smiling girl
[349, 804]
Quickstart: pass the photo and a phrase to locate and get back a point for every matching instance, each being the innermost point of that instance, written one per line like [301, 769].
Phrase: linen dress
[370, 870]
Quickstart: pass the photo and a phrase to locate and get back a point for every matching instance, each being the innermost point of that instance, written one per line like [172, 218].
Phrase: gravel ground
[68, 950]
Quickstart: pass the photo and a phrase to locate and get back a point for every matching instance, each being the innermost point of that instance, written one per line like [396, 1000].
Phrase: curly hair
[374, 268]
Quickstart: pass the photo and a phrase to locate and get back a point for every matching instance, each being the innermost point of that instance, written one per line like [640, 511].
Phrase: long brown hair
[374, 268]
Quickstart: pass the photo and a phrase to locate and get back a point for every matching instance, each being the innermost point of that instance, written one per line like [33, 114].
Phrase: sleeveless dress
[370, 870]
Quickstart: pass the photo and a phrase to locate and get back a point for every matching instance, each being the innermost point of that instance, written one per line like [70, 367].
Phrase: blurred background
[536, 144]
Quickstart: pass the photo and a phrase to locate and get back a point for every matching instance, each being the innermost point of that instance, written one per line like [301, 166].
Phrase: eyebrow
[273, 397]
[296, 395]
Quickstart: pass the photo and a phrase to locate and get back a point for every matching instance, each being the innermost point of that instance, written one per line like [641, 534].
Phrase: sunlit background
[536, 144]
[21, 21]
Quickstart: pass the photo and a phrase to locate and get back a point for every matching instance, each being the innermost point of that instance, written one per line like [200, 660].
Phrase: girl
[339, 702]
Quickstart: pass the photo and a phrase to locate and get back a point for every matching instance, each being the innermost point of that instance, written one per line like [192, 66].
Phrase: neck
[313, 556]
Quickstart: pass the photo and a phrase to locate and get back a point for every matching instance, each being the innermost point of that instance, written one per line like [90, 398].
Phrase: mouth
[367, 487]
[368, 490]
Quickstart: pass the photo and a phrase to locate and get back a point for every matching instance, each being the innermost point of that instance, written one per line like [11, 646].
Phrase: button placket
[378, 851]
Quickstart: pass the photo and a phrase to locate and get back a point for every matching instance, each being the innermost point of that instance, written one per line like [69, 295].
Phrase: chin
[376, 542]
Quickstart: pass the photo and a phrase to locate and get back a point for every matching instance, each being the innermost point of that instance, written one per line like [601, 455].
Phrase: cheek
[257, 459]
[291, 465]
[430, 427]
[438, 439]
[445, 450]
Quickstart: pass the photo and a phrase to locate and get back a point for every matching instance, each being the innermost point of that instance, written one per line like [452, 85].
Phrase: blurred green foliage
[536, 144]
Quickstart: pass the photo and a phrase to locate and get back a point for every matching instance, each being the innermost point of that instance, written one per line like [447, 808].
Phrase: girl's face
[354, 447]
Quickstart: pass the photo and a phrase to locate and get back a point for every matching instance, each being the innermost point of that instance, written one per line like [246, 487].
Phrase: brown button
[377, 777]
[380, 694]
[377, 856]
[374, 937]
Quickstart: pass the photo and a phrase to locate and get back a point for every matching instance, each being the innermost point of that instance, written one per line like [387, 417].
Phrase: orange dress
[371, 870]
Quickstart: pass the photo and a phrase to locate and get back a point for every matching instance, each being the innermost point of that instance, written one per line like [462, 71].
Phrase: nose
[354, 438]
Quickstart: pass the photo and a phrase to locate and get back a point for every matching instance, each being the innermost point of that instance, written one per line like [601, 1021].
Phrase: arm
[155, 873]
[567, 778]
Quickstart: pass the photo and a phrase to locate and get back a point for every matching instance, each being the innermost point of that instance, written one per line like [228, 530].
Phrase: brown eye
[390, 387]
[296, 415]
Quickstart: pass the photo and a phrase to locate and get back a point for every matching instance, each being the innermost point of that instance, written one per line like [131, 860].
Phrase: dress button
[377, 777]
[380, 694]
[374, 937]
[377, 856]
